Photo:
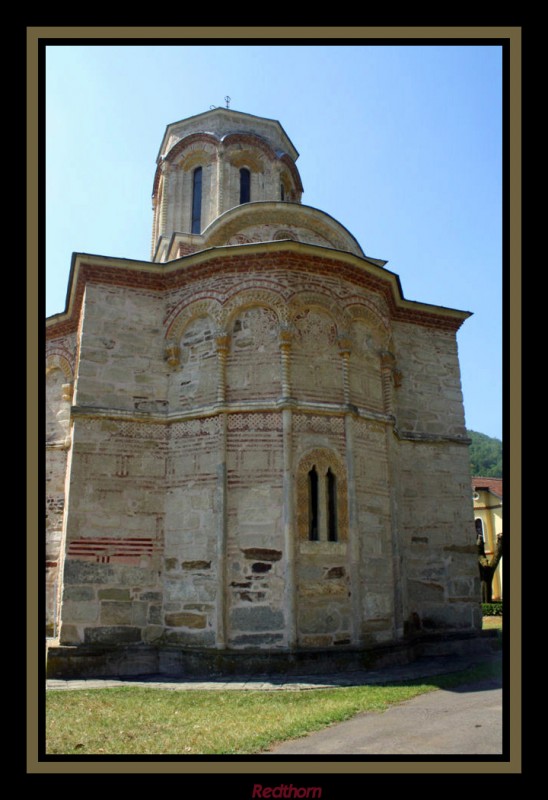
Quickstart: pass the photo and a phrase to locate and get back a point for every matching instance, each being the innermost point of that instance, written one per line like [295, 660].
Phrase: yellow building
[487, 495]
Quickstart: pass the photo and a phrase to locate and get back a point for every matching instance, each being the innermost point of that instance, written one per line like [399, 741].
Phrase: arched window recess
[322, 498]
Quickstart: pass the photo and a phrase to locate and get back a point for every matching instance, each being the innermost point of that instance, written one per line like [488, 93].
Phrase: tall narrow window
[479, 528]
[331, 506]
[196, 201]
[282, 192]
[245, 185]
[313, 533]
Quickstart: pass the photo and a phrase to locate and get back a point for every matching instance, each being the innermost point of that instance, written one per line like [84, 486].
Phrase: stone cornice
[250, 407]
[274, 407]
[245, 259]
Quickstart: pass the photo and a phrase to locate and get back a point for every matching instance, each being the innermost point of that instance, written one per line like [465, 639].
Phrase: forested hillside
[485, 455]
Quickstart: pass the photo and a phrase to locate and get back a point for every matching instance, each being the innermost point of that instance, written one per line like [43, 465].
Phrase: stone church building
[256, 447]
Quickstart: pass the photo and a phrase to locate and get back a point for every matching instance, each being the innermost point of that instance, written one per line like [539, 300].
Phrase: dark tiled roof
[493, 485]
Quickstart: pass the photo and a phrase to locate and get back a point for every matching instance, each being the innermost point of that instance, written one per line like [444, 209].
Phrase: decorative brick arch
[59, 360]
[324, 302]
[202, 143]
[379, 326]
[246, 158]
[306, 302]
[199, 308]
[248, 142]
[250, 298]
[196, 158]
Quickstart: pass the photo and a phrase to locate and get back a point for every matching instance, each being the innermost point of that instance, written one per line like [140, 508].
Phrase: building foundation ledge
[88, 661]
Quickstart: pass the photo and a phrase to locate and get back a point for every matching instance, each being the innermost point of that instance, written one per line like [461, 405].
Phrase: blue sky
[401, 144]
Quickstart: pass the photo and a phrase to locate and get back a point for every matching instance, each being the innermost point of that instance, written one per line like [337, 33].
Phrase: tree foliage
[485, 455]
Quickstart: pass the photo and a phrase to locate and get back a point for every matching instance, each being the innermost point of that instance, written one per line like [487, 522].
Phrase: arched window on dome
[196, 201]
[245, 185]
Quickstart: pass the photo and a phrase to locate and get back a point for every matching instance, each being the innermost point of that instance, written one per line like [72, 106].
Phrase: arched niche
[253, 365]
[316, 364]
[58, 400]
[193, 374]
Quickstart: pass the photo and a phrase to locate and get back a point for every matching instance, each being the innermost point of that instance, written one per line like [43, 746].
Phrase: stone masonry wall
[437, 537]
[112, 590]
[56, 464]
[256, 556]
[60, 359]
[192, 566]
[432, 484]
[121, 362]
[429, 400]
[199, 413]
[373, 530]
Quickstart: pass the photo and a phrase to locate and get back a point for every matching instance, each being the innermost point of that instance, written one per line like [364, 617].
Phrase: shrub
[491, 609]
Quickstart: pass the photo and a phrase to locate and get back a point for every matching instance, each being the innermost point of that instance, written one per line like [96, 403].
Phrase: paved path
[462, 721]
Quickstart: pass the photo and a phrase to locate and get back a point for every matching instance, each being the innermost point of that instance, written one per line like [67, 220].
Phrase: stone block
[114, 594]
[196, 565]
[138, 576]
[155, 615]
[115, 612]
[315, 619]
[196, 638]
[78, 572]
[79, 593]
[428, 592]
[377, 605]
[70, 634]
[114, 634]
[256, 618]
[257, 639]
[317, 640]
[262, 553]
[152, 633]
[154, 597]
[325, 588]
[185, 619]
[80, 611]
[179, 591]
[139, 612]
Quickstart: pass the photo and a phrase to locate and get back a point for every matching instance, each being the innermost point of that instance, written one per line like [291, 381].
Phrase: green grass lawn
[492, 622]
[135, 720]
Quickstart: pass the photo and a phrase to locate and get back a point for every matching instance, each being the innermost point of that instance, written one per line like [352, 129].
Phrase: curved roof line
[229, 112]
[247, 209]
